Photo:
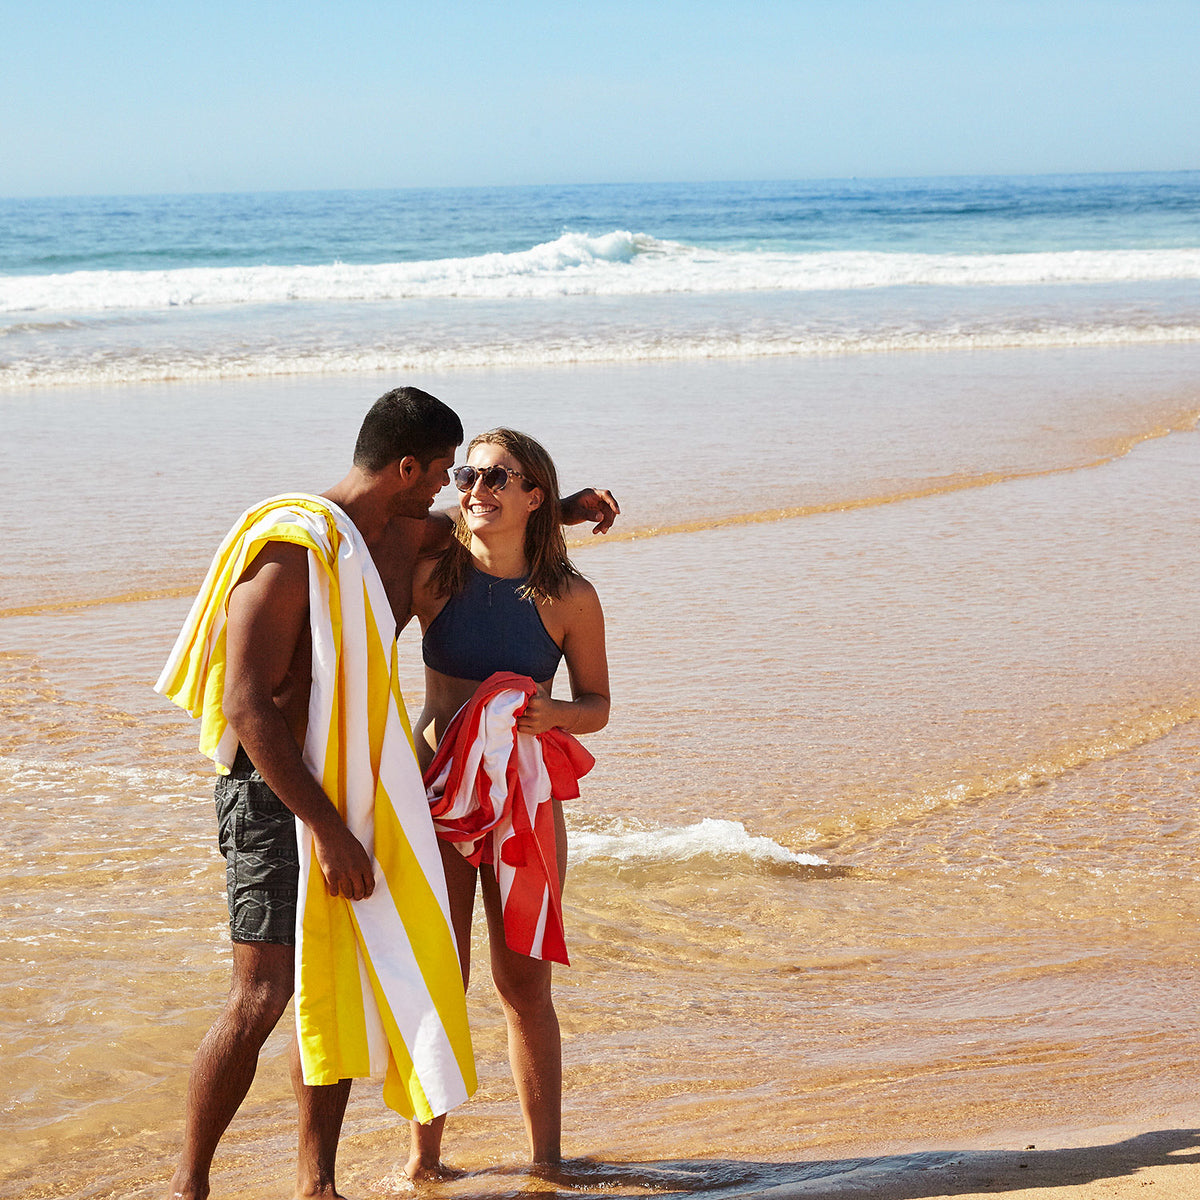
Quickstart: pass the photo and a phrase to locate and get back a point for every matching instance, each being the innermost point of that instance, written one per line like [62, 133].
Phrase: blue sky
[105, 97]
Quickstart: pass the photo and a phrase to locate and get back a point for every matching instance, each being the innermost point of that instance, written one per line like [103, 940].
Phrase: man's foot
[183, 1189]
[318, 1192]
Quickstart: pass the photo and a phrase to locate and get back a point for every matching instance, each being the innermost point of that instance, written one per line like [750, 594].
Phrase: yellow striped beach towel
[378, 984]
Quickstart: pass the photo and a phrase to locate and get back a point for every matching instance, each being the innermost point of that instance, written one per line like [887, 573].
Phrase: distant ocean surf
[111, 290]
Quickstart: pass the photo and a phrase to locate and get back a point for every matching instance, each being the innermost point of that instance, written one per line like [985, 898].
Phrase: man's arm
[439, 529]
[268, 617]
[591, 504]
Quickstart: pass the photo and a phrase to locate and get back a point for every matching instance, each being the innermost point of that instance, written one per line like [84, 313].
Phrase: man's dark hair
[406, 421]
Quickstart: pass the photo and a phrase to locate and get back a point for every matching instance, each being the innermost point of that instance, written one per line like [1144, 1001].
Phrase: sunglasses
[495, 479]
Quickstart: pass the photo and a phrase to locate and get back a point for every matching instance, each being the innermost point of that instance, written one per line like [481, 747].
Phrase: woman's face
[485, 510]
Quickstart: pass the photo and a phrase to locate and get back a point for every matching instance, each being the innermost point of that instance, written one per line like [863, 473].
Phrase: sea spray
[618, 263]
[710, 838]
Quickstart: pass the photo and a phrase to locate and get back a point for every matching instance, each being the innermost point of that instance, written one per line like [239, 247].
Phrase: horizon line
[496, 187]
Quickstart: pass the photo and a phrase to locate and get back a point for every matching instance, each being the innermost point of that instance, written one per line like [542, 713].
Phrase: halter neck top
[488, 627]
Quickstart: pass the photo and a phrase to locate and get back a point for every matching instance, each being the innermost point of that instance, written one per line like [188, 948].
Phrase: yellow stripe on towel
[378, 983]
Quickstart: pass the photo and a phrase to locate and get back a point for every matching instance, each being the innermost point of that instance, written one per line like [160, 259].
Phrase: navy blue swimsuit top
[486, 628]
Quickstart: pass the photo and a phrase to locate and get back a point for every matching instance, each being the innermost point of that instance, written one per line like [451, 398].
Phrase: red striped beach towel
[489, 788]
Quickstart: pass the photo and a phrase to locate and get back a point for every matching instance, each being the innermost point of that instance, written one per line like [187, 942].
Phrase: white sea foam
[109, 366]
[34, 775]
[618, 263]
[709, 838]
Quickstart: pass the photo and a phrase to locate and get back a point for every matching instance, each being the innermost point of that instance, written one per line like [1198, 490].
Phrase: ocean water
[890, 845]
[199, 287]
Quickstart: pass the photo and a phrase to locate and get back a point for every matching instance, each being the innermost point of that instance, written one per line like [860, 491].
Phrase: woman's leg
[425, 1153]
[534, 1043]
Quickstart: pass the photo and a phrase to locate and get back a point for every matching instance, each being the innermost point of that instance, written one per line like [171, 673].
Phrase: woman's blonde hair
[550, 570]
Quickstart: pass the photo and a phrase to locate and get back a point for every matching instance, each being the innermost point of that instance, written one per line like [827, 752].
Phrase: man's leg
[425, 1154]
[321, 1113]
[224, 1066]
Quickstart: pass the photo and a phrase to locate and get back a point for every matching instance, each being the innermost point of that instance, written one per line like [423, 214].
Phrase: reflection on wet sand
[890, 846]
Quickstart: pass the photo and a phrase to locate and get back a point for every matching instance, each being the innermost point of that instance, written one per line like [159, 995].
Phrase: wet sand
[1083, 1167]
[956, 662]
[1114, 1163]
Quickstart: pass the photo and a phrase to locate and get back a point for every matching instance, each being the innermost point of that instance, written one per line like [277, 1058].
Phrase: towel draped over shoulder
[378, 983]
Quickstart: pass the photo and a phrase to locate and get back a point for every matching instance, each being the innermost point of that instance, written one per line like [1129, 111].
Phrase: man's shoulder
[403, 537]
[291, 517]
[293, 505]
[279, 566]
[282, 550]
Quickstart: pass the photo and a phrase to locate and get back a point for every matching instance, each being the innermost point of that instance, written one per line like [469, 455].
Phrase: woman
[505, 597]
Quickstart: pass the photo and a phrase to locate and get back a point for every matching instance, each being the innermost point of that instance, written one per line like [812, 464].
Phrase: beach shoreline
[1116, 1161]
[1112, 1161]
[927, 615]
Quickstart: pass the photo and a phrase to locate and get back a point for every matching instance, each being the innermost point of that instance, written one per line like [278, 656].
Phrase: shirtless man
[401, 461]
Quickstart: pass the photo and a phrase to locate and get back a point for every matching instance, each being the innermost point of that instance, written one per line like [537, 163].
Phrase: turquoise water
[949, 216]
[132, 289]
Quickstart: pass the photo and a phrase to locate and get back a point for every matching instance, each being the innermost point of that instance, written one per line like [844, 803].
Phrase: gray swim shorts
[257, 834]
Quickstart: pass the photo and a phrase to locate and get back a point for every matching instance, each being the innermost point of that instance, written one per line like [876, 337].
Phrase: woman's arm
[587, 665]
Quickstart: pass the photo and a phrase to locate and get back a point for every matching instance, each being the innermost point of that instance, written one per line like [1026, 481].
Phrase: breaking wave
[617, 263]
[709, 838]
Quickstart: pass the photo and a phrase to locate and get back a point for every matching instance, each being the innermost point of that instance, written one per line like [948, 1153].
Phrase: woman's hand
[541, 712]
[584, 714]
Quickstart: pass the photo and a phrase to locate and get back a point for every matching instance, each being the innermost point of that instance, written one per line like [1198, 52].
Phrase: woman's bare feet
[420, 1171]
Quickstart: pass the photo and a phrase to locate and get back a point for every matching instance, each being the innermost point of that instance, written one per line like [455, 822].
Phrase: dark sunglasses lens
[494, 478]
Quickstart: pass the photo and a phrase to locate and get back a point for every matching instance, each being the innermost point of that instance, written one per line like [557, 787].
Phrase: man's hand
[344, 863]
[591, 504]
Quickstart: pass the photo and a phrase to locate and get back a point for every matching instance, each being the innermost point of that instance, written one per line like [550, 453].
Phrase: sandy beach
[1112, 1163]
[884, 882]
[942, 892]
[1082, 1168]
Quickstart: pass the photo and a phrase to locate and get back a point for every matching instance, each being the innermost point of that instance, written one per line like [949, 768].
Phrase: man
[264, 614]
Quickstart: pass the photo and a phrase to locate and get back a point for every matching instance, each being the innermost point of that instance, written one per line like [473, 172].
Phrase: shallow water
[891, 839]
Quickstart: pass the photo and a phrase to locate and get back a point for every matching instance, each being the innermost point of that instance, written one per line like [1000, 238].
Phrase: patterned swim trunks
[257, 834]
